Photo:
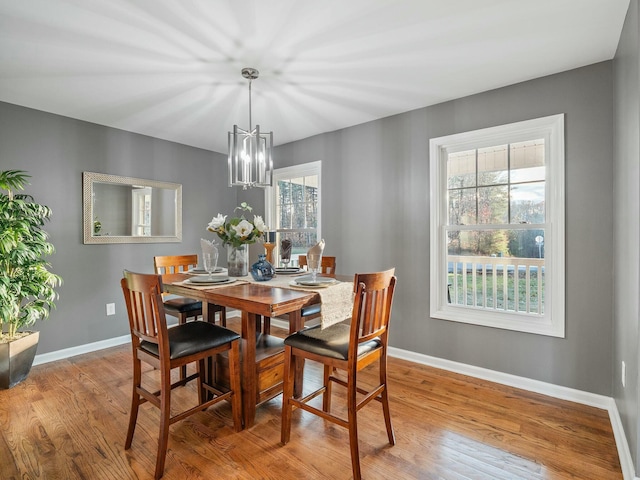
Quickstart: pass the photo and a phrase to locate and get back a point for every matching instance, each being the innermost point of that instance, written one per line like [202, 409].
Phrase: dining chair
[168, 348]
[349, 348]
[328, 269]
[181, 307]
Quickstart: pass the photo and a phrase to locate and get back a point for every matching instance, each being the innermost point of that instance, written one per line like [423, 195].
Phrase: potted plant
[27, 287]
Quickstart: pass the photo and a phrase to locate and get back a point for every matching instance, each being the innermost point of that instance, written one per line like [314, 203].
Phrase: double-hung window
[293, 207]
[497, 226]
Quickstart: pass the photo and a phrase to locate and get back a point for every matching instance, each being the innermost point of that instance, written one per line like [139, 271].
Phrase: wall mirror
[130, 210]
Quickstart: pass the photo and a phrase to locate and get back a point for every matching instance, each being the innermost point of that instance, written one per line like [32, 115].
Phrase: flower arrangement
[238, 230]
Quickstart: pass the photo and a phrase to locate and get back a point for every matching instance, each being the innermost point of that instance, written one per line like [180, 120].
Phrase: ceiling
[171, 69]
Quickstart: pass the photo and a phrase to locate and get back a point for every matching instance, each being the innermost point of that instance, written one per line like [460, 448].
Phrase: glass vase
[238, 260]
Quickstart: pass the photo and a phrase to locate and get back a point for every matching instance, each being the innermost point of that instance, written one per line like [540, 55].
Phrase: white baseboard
[556, 391]
[79, 350]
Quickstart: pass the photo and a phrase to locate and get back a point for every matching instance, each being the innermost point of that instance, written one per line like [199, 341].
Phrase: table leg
[249, 380]
[208, 314]
[296, 323]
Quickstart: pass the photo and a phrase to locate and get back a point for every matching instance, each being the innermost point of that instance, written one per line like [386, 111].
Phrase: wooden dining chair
[180, 307]
[328, 269]
[349, 348]
[168, 348]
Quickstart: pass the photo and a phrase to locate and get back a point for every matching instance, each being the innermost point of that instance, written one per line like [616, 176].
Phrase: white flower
[259, 223]
[243, 229]
[217, 222]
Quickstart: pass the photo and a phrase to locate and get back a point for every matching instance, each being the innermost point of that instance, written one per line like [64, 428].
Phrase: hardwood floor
[68, 420]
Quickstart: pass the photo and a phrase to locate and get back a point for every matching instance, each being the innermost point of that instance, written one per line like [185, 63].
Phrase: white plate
[202, 271]
[288, 271]
[207, 281]
[294, 283]
[320, 280]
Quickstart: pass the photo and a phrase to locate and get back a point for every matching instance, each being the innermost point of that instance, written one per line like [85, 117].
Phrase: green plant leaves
[27, 287]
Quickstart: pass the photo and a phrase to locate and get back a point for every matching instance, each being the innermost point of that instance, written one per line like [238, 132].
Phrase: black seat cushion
[310, 310]
[331, 342]
[183, 304]
[193, 337]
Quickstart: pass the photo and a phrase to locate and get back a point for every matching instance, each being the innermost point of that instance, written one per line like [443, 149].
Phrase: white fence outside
[497, 283]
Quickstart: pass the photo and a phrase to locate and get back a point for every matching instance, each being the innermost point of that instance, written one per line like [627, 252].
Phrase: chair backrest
[371, 308]
[328, 264]
[166, 264]
[147, 320]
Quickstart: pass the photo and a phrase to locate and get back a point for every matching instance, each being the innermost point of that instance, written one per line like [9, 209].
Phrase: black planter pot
[16, 358]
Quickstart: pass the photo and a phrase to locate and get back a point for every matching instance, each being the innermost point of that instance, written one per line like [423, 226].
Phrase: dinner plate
[202, 271]
[320, 280]
[319, 283]
[210, 281]
[289, 270]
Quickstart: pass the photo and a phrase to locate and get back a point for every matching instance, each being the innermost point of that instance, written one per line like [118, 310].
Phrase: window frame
[284, 173]
[551, 128]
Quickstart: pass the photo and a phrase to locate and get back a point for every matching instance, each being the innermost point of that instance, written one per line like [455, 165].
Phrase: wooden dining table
[261, 354]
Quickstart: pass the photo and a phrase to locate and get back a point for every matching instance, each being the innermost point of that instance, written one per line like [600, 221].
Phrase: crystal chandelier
[250, 162]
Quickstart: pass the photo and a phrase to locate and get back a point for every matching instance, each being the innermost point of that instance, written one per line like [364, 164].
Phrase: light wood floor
[68, 421]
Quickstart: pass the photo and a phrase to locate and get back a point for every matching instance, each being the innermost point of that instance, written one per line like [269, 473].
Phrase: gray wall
[55, 151]
[627, 226]
[375, 180]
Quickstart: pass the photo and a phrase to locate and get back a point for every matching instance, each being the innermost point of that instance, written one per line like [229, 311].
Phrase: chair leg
[353, 425]
[182, 319]
[165, 414]
[385, 399]
[287, 395]
[135, 402]
[236, 387]
[202, 393]
[326, 396]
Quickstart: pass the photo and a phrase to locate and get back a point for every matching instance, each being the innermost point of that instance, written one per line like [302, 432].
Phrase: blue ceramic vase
[262, 270]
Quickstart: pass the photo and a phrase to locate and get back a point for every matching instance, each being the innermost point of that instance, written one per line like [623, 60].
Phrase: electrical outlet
[624, 374]
[111, 308]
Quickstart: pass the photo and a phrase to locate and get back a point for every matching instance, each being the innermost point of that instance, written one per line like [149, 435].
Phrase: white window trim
[552, 323]
[302, 170]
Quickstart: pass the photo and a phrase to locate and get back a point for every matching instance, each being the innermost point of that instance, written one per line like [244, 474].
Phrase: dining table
[262, 357]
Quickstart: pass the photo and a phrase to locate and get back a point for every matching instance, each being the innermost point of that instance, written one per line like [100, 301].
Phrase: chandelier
[250, 162]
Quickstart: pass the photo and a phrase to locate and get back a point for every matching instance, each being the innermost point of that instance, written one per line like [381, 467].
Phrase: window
[293, 207]
[497, 226]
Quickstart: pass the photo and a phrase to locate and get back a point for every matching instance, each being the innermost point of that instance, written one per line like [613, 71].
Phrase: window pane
[297, 190]
[461, 169]
[493, 165]
[493, 205]
[527, 203]
[284, 192]
[527, 161]
[479, 242]
[526, 243]
[462, 206]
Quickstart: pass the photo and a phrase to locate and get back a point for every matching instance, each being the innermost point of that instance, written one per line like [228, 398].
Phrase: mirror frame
[88, 181]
